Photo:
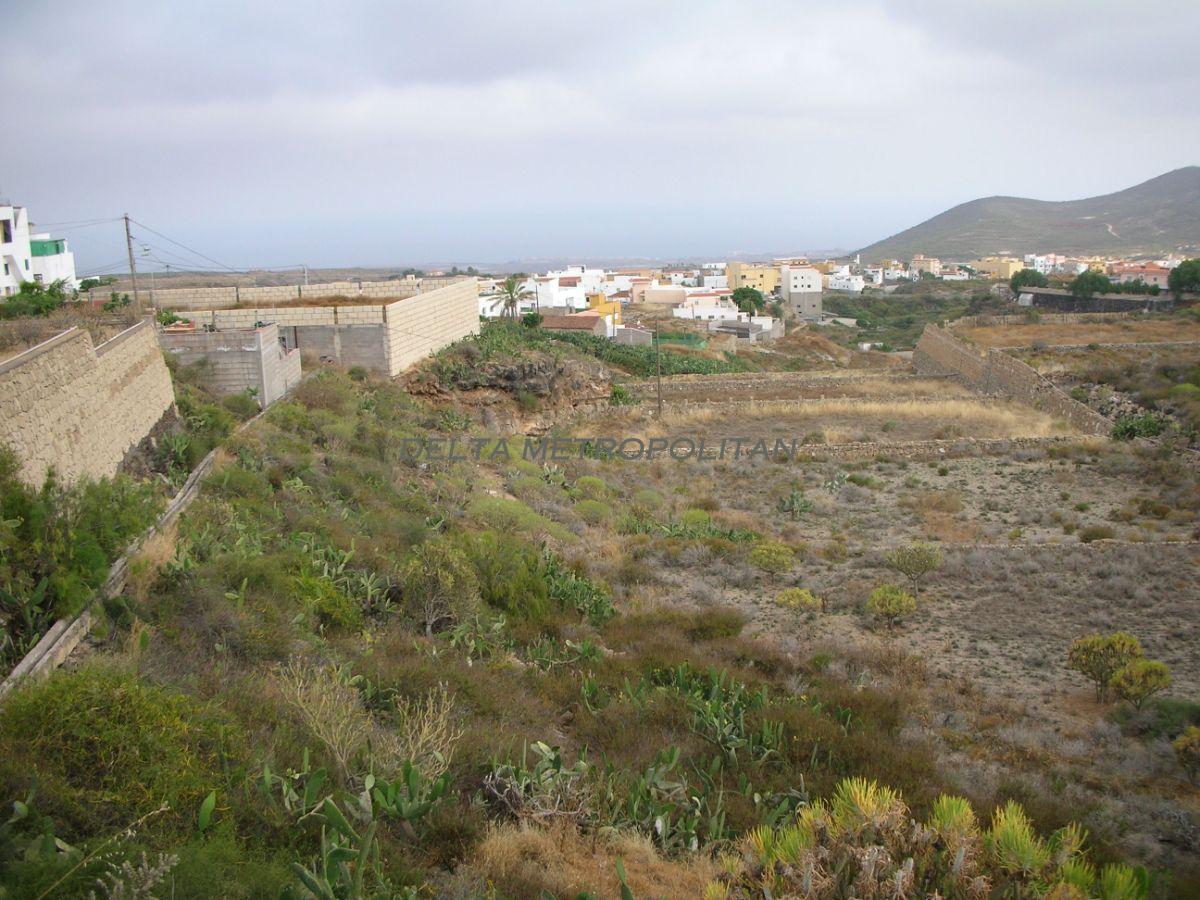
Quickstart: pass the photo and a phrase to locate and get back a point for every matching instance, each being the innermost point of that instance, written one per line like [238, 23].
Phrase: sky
[265, 134]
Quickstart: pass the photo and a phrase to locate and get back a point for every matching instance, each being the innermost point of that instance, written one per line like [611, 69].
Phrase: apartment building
[31, 257]
[761, 278]
[930, 264]
[1001, 267]
[801, 289]
[1151, 273]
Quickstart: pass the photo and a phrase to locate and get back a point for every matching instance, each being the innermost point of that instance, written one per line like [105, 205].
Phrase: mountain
[1156, 216]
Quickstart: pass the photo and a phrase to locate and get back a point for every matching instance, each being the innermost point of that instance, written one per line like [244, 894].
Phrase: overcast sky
[267, 134]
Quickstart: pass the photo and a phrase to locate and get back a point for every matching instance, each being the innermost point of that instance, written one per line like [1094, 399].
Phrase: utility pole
[658, 365]
[137, 298]
[305, 268]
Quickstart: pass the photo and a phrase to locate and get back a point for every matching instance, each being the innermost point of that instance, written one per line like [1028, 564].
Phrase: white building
[27, 257]
[840, 279]
[800, 287]
[707, 308]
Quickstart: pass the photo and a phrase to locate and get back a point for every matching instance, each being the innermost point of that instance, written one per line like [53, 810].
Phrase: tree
[749, 300]
[914, 562]
[439, 584]
[800, 599]
[1141, 679]
[1099, 657]
[1187, 751]
[891, 604]
[532, 319]
[514, 293]
[1090, 282]
[1184, 277]
[1028, 278]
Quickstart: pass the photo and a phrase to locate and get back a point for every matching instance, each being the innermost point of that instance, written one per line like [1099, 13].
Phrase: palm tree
[513, 293]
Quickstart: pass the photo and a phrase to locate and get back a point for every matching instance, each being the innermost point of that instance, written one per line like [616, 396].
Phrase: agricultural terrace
[1150, 329]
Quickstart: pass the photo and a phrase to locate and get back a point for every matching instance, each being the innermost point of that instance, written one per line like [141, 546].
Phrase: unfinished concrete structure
[385, 338]
[241, 359]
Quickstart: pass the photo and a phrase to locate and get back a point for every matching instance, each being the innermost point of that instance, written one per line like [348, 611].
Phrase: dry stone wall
[940, 353]
[79, 410]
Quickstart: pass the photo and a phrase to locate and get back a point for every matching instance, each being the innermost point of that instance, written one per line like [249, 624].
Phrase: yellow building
[761, 278]
[1001, 267]
[601, 304]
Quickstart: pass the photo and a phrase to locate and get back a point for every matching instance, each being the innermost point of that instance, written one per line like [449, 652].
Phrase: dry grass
[523, 861]
[1125, 331]
[846, 420]
[144, 567]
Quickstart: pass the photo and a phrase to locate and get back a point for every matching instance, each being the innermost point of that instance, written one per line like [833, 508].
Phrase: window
[6, 231]
[26, 265]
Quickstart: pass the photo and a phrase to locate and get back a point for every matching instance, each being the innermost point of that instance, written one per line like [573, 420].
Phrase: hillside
[1158, 215]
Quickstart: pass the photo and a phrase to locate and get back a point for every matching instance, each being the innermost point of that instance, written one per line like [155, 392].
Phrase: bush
[621, 396]
[508, 574]
[1099, 657]
[1096, 533]
[1140, 679]
[591, 488]
[914, 562]
[800, 599]
[773, 556]
[891, 604]
[106, 748]
[593, 511]
[438, 584]
[1187, 751]
[695, 518]
[1143, 425]
[56, 545]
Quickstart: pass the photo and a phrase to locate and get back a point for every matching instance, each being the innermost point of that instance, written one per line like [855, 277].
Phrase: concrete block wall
[208, 298]
[384, 338]
[238, 360]
[424, 324]
[77, 409]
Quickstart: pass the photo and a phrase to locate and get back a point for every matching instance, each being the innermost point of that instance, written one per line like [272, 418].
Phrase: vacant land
[839, 421]
[1123, 331]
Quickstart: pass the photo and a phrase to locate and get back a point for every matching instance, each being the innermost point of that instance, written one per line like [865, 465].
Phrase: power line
[80, 223]
[184, 246]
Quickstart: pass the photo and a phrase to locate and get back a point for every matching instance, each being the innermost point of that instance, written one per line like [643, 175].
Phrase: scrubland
[348, 673]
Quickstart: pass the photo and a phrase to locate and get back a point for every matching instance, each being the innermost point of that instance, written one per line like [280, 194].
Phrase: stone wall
[1079, 318]
[940, 353]
[207, 298]
[78, 409]
[238, 360]
[384, 338]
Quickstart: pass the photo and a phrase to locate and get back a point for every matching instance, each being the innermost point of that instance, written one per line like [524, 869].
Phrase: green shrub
[56, 545]
[695, 518]
[772, 556]
[648, 498]
[914, 562]
[508, 573]
[891, 604]
[593, 511]
[325, 603]
[439, 585]
[1095, 533]
[1099, 657]
[1136, 426]
[1140, 679]
[514, 517]
[591, 488]
[106, 748]
[242, 405]
[621, 396]
[800, 599]
[1187, 751]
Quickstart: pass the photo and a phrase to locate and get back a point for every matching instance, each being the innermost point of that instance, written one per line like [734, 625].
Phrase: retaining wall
[940, 353]
[78, 409]
[1079, 318]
